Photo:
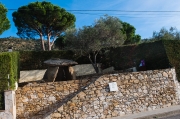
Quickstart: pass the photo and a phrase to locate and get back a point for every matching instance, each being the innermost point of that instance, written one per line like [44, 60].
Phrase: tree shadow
[51, 108]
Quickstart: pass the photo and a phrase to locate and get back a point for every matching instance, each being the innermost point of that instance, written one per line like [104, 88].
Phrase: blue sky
[131, 11]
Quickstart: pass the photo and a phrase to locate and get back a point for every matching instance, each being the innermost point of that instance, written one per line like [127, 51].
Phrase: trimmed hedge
[173, 52]
[125, 57]
[121, 58]
[154, 54]
[31, 60]
[9, 63]
[157, 55]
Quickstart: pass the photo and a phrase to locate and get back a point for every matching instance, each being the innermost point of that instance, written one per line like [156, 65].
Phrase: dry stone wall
[38, 98]
[137, 92]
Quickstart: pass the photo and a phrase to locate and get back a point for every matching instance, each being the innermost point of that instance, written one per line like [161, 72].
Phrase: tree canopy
[4, 22]
[165, 34]
[105, 32]
[42, 19]
[129, 31]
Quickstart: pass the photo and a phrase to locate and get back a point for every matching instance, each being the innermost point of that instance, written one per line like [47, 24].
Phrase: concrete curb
[154, 114]
[161, 115]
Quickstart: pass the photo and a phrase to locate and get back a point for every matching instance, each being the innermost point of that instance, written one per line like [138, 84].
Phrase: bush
[129, 56]
[9, 62]
[121, 58]
[173, 52]
[31, 60]
[154, 54]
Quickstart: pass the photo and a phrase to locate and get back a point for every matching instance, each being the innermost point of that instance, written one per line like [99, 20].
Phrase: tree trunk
[42, 43]
[94, 64]
[49, 43]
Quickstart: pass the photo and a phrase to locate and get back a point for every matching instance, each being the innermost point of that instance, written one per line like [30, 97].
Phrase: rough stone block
[31, 75]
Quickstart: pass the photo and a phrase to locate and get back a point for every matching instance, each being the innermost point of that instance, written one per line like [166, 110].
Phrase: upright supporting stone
[72, 73]
[51, 73]
[59, 70]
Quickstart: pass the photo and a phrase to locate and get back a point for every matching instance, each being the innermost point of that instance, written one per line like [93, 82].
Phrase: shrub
[8, 66]
[129, 56]
[173, 53]
[31, 60]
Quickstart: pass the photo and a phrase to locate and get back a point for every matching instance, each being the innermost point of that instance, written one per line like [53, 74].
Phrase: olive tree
[89, 40]
[4, 22]
[42, 19]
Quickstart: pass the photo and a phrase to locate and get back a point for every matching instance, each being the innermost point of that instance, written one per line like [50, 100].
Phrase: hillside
[19, 44]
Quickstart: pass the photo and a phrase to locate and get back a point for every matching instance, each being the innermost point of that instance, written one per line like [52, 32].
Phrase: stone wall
[10, 106]
[35, 98]
[137, 92]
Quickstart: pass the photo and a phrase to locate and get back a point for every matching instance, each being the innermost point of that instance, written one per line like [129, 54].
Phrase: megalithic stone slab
[51, 74]
[72, 73]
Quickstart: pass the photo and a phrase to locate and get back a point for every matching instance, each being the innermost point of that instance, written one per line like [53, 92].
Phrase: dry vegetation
[19, 44]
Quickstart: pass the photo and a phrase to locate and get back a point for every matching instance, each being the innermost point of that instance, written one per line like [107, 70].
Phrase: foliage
[125, 57]
[60, 42]
[154, 54]
[129, 31]
[31, 60]
[173, 53]
[9, 65]
[164, 34]
[4, 22]
[19, 44]
[121, 58]
[42, 19]
[89, 40]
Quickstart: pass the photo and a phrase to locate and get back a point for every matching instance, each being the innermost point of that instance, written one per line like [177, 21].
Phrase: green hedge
[121, 58]
[173, 52]
[9, 63]
[125, 57]
[31, 60]
[154, 54]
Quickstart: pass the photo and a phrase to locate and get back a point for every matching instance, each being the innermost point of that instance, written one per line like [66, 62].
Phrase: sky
[146, 16]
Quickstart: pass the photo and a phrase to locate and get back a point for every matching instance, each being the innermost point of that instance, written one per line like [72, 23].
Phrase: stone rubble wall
[137, 92]
[10, 108]
[38, 97]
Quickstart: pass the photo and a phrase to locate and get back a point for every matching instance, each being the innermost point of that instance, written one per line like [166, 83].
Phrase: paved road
[172, 117]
